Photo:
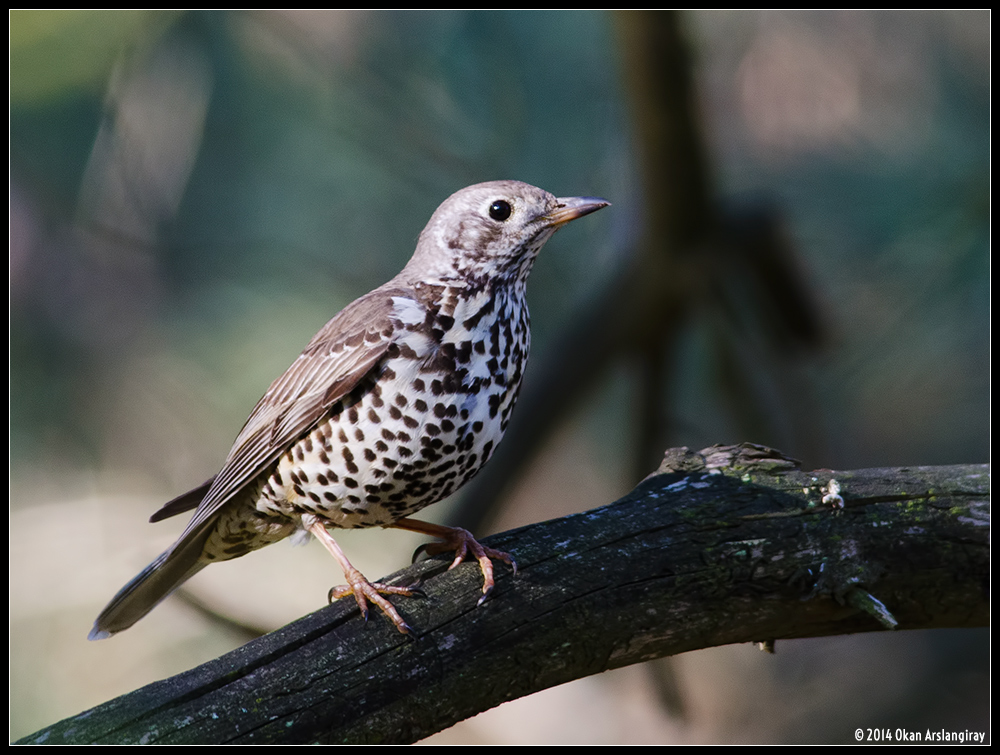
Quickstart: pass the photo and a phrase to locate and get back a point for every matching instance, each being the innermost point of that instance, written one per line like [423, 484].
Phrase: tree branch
[733, 544]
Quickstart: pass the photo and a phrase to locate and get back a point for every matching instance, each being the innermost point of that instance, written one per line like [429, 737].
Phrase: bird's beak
[571, 208]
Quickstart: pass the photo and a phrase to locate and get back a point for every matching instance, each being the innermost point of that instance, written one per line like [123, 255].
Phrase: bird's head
[492, 231]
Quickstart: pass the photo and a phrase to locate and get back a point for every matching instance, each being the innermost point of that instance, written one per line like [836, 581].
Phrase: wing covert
[338, 358]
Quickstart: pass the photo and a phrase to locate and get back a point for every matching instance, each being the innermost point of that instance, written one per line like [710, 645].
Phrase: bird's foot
[358, 586]
[464, 545]
[364, 591]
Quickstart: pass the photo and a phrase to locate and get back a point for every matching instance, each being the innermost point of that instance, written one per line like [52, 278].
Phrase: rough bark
[732, 544]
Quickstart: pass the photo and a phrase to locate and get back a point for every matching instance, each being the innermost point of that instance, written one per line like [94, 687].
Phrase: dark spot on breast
[349, 461]
[471, 322]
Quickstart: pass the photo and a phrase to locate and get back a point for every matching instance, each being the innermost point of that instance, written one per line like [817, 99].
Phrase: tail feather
[154, 583]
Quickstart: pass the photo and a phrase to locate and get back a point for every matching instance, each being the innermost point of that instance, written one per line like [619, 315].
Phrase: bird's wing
[184, 502]
[338, 358]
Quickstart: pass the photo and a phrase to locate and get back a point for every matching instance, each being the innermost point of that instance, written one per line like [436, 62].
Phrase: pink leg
[463, 544]
[358, 586]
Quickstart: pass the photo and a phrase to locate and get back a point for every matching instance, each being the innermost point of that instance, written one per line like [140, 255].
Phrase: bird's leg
[463, 544]
[357, 585]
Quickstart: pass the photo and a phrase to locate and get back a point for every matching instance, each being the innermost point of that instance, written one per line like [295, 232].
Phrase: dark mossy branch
[732, 544]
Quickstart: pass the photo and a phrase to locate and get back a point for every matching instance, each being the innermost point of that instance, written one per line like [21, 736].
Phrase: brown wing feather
[184, 502]
[336, 360]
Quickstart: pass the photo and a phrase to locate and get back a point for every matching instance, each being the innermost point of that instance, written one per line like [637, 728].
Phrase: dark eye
[500, 210]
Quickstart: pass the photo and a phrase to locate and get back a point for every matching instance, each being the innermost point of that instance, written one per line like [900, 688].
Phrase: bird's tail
[171, 569]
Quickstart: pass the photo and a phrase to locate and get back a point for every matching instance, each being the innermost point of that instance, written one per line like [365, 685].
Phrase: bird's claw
[363, 591]
[420, 551]
[417, 592]
[464, 545]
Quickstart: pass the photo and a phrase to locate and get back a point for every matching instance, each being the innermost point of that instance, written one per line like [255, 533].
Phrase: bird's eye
[500, 210]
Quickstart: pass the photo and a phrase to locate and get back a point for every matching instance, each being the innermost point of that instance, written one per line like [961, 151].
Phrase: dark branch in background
[733, 544]
[694, 258]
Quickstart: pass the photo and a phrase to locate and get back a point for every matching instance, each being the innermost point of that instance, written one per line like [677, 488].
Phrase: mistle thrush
[396, 403]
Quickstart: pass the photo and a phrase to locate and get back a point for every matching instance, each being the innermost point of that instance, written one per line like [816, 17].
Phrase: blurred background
[797, 255]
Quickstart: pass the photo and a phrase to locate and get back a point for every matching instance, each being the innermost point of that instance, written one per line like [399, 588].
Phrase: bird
[396, 403]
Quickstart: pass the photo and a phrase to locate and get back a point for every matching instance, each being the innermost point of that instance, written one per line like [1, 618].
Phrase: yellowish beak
[571, 208]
